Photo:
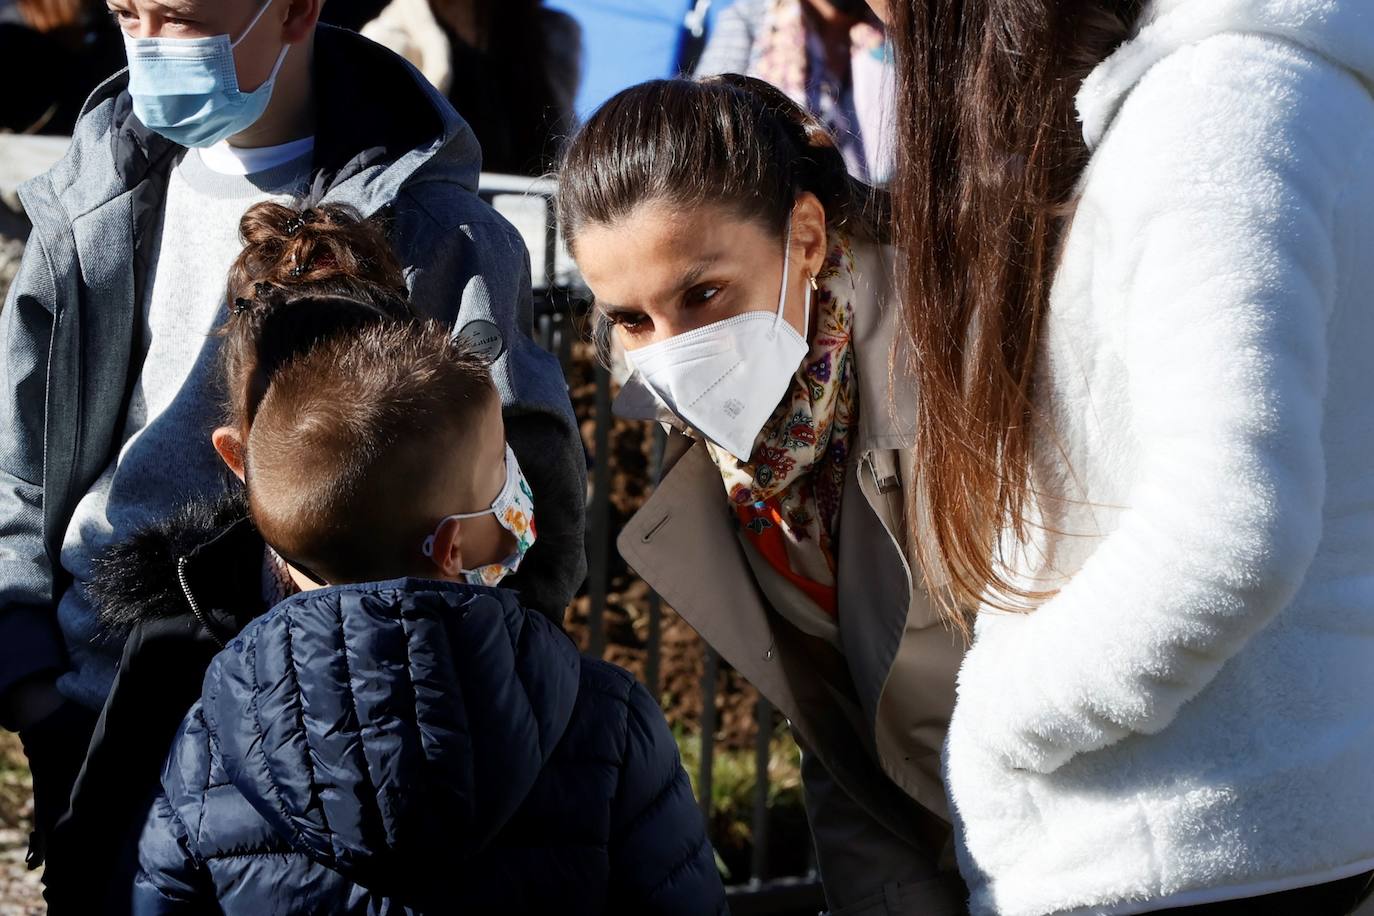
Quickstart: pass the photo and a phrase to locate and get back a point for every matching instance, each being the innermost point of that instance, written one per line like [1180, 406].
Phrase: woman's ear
[230, 447]
[448, 549]
[810, 235]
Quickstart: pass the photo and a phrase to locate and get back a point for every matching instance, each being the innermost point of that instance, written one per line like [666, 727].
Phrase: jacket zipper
[194, 605]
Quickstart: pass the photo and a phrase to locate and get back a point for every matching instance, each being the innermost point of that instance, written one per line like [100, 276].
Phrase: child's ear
[230, 447]
[448, 548]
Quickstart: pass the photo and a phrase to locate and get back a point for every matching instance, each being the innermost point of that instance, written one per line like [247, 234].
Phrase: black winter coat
[177, 593]
[422, 747]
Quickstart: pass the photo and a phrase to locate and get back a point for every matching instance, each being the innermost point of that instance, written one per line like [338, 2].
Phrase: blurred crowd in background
[830, 55]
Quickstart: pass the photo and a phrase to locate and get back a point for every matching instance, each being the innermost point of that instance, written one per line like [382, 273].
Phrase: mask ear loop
[779, 318]
[262, 11]
[281, 58]
[812, 287]
[427, 548]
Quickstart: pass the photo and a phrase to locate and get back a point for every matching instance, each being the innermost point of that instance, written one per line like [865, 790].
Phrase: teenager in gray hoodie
[106, 352]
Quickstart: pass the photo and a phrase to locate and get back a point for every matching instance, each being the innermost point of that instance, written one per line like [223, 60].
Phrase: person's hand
[29, 702]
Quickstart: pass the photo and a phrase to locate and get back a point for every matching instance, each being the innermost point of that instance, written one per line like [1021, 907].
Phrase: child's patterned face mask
[514, 510]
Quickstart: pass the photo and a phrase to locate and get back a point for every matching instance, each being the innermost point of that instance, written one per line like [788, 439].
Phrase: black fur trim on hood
[140, 579]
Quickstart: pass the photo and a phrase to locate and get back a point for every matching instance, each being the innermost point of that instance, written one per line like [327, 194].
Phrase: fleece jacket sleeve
[29, 638]
[661, 861]
[1222, 296]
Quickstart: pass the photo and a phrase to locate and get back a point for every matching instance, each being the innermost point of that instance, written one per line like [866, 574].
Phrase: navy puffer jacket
[419, 747]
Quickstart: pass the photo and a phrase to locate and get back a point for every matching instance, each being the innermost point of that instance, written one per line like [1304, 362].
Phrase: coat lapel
[683, 542]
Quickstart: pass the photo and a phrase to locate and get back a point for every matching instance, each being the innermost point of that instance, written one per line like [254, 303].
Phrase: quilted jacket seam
[299, 693]
[683, 865]
[653, 807]
[251, 664]
[364, 771]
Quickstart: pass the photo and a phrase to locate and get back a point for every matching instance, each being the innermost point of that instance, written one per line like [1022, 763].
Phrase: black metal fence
[559, 295]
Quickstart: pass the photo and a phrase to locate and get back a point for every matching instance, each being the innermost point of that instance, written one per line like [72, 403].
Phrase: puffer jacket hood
[389, 731]
[1340, 30]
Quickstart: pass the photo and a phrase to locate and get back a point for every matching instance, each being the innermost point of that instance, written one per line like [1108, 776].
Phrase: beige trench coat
[871, 720]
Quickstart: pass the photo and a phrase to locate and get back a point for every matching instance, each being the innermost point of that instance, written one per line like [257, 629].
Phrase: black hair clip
[242, 305]
[300, 221]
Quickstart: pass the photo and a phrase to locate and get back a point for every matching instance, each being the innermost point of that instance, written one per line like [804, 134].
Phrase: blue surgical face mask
[187, 89]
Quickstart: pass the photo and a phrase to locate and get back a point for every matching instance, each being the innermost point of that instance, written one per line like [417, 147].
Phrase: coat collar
[887, 390]
[205, 560]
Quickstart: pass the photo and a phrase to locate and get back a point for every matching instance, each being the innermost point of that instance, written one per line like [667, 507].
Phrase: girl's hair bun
[307, 273]
[301, 246]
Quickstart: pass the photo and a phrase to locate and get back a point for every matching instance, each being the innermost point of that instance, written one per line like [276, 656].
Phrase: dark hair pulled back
[730, 141]
[307, 273]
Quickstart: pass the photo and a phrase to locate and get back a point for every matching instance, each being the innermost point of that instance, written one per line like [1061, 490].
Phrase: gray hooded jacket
[386, 143]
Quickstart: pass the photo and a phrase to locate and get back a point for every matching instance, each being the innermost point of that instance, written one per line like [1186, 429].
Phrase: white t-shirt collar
[224, 159]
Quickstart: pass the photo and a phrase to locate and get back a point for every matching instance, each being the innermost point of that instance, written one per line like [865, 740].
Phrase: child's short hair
[354, 440]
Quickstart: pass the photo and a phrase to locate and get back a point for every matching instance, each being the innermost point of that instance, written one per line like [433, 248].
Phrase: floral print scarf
[787, 496]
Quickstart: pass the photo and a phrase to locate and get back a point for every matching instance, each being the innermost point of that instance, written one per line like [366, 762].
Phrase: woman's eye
[630, 324]
[703, 294]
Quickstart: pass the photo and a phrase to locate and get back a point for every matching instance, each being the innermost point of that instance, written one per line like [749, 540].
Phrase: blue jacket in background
[418, 747]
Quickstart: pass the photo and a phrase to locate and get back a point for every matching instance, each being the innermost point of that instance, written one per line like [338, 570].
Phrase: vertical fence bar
[567, 331]
[654, 660]
[599, 517]
[551, 241]
[708, 732]
[763, 750]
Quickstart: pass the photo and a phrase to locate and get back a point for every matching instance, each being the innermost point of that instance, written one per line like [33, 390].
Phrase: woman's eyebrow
[689, 278]
[617, 311]
[695, 273]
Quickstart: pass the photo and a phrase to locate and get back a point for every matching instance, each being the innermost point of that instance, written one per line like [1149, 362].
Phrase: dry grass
[16, 790]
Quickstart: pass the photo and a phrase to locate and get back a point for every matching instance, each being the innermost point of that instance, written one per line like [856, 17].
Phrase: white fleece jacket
[1191, 717]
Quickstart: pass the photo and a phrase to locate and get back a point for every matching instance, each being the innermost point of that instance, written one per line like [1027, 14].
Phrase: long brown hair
[988, 155]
